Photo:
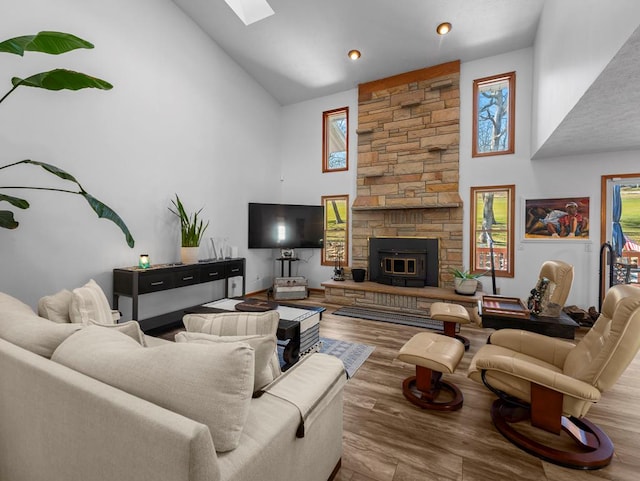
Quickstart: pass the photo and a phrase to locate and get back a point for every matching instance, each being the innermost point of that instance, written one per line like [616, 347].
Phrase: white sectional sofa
[85, 403]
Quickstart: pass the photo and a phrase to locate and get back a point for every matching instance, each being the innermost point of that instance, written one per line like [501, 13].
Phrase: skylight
[250, 11]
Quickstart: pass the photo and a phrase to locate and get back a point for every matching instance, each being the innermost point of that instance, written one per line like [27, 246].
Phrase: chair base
[450, 330]
[425, 395]
[594, 448]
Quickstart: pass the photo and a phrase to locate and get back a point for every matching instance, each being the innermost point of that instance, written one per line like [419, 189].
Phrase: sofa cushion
[56, 306]
[22, 327]
[89, 302]
[264, 347]
[130, 328]
[210, 384]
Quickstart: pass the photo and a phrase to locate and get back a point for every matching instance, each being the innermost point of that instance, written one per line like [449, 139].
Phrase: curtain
[616, 229]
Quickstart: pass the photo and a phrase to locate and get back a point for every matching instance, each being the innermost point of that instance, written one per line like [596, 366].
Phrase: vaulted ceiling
[300, 53]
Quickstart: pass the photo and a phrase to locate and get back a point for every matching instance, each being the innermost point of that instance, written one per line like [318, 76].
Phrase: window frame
[330, 261]
[327, 116]
[509, 229]
[510, 77]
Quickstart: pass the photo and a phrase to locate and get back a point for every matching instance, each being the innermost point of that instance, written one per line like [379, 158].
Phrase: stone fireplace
[408, 171]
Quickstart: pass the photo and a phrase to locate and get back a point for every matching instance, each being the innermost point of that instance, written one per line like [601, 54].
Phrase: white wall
[182, 118]
[575, 40]
[303, 181]
[576, 176]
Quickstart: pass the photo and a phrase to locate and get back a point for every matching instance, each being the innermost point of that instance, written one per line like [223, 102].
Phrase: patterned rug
[352, 354]
[389, 316]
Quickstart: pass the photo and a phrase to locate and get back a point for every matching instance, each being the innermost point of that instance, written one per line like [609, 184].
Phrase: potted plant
[52, 43]
[465, 282]
[192, 229]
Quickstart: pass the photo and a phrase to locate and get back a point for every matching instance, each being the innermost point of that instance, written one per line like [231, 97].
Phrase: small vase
[189, 255]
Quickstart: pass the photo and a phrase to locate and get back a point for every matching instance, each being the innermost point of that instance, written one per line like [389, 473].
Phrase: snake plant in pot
[191, 228]
[465, 281]
[53, 43]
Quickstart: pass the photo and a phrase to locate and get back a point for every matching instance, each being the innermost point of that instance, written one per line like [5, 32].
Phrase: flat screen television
[285, 226]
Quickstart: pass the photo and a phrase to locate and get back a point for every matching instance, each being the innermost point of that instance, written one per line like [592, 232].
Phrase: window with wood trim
[492, 242]
[335, 140]
[336, 230]
[494, 109]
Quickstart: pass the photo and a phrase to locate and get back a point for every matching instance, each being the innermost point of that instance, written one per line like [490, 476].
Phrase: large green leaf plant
[53, 43]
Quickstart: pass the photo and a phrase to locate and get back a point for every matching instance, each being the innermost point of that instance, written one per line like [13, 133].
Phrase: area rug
[392, 317]
[352, 354]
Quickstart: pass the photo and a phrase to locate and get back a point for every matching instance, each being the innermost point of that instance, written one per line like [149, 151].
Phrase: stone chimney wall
[408, 163]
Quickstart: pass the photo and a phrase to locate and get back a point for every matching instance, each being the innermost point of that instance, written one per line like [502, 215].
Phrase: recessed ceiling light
[354, 54]
[444, 28]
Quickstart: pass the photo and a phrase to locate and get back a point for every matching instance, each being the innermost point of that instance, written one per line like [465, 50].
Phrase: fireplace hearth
[403, 261]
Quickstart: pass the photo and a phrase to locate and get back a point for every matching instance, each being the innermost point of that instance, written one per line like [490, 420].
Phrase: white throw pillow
[56, 306]
[233, 323]
[209, 385]
[264, 347]
[130, 328]
[90, 303]
[22, 327]
[237, 324]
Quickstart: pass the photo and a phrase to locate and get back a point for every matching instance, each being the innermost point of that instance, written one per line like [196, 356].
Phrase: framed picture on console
[558, 219]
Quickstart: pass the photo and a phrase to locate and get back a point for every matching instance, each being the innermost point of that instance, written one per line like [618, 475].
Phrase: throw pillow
[90, 303]
[209, 385]
[233, 323]
[56, 306]
[237, 324]
[22, 327]
[264, 347]
[130, 328]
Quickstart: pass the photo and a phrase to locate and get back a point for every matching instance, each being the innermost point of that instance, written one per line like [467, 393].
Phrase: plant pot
[189, 255]
[358, 274]
[466, 287]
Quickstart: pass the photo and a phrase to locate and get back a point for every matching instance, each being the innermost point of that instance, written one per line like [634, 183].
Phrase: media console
[134, 281]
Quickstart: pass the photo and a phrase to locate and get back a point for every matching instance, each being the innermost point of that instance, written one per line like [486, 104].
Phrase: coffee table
[300, 325]
[562, 326]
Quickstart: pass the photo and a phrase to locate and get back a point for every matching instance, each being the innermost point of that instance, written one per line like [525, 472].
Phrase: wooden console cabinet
[133, 282]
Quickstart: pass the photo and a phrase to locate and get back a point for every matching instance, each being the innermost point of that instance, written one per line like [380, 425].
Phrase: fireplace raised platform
[415, 300]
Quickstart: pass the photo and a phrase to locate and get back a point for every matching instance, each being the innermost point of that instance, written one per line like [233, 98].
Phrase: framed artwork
[494, 103]
[557, 219]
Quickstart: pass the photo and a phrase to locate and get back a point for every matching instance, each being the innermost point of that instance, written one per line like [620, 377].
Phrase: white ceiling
[300, 53]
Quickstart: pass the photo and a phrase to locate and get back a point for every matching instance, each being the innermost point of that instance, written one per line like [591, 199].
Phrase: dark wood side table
[563, 326]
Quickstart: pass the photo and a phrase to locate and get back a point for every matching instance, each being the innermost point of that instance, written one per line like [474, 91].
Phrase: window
[492, 229]
[620, 221]
[494, 115]
[336, 230]
[335, 140]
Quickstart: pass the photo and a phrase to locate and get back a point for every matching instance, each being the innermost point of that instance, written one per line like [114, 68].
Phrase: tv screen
[285, 226]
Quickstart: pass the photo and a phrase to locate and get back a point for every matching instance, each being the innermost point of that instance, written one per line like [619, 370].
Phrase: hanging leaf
[53, 43]
[15, 201]
[60, 79]
[105, 212]
[53, 169]
[6, 220]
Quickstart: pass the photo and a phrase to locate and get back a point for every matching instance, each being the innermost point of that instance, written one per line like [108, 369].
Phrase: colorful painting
[559, 219]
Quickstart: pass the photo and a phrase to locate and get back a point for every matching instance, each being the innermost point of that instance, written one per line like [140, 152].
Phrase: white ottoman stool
[432, 355]
[450, 315]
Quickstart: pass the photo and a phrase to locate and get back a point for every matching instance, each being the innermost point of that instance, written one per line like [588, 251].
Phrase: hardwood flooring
[388, 439]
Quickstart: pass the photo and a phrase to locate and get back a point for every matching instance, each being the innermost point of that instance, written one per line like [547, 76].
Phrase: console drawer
[153, 282]
[212, 272]
[235, 268]
[186, 277]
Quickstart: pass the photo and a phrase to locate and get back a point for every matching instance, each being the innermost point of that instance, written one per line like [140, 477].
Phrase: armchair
[561, 274]
[552, 383]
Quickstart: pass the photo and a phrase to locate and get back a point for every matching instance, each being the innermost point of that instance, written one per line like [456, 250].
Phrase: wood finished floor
[388, 439]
